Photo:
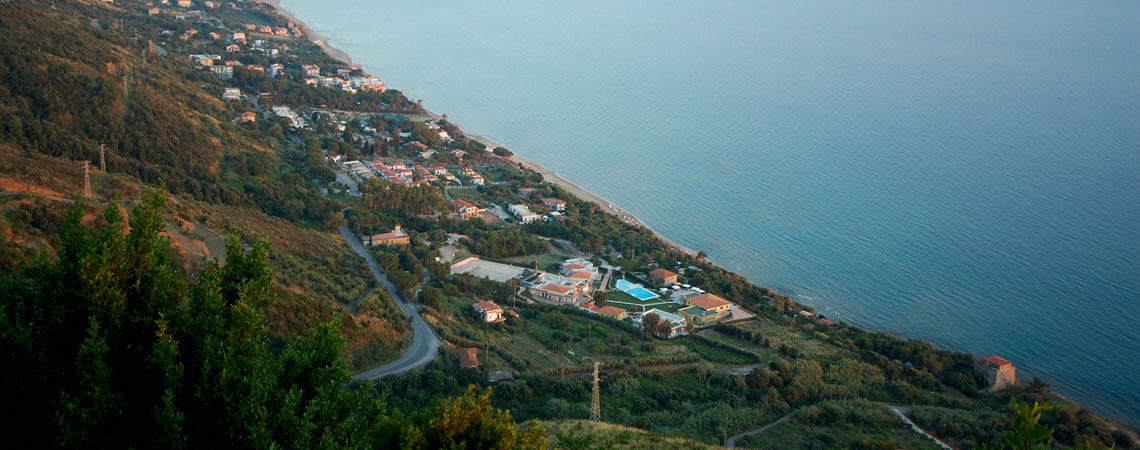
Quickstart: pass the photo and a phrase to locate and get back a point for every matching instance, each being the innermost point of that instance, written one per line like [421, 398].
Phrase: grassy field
[586, 434]
[766, 354]
[718, 355]
[795, 434]
[793, 338]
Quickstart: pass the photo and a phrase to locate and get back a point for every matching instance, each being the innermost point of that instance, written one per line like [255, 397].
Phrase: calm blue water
[965, 172]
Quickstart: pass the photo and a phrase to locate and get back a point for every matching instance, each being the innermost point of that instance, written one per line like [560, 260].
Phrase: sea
[962, 172]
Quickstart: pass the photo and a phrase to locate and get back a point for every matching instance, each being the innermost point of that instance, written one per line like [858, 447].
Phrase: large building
[998, 372]
[557, 289]
[395, 237]
[612, 311]
[580, 269]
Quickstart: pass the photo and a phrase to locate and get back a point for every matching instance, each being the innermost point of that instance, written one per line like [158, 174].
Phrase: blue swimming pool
[635, 290]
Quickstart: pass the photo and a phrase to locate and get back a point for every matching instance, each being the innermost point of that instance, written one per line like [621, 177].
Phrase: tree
[600, 298]
[470, 422]
[502, 152]
[1026, 431]
[649, 324]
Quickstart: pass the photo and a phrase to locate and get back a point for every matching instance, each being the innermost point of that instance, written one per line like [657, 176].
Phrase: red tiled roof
[573, 266]
[468, 357]
[488, 306]
[996, 360]
[708, 301]
[611, 311]
[581, 275]
[662, 273]
[555, 288]
[462, 204]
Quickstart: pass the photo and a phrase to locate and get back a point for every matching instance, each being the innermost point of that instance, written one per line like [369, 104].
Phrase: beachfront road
[425, 344]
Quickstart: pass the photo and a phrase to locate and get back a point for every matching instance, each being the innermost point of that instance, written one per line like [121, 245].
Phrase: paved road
[425, 344]
[731, 441]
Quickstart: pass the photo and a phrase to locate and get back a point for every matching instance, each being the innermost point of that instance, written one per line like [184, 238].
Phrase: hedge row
[754, 337]
[702, 345]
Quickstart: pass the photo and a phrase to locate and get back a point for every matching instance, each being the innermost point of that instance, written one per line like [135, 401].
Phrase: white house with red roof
[489, 311]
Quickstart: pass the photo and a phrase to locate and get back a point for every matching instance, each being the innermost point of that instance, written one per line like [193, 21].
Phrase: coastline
[547, 174]
[584, 194]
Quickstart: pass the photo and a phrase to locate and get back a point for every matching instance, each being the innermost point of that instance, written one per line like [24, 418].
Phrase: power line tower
[102, 158]
[86, 180]
[596, 407]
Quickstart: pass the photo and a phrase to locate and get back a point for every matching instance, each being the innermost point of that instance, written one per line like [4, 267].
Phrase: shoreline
[609, 207]
[548, 175]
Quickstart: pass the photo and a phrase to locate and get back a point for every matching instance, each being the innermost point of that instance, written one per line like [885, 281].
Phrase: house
[664, 277]
[214, 35]
[524, 214]
[238, 36]
[525, 192]
[465, 209]
[677, 323]
[710, 302]
[280, 31]
[250, 27]
[705, 309]
[395, 237]
[248, 116]
[276, 69]
[233, 48]
[612, 311]
[231, 94]
[556, 204]
[152, 12]
[265, 29]
[489, 311]
[468, 358]
[998, 372]
[226, 72]
[184, 3]
[255, 67]
[825, 323]
[439, 170]
[478, 180]
[467, 171]
[560, 290]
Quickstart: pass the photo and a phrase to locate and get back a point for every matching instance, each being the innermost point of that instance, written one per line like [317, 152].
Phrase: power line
[86, 180]
[596, 412]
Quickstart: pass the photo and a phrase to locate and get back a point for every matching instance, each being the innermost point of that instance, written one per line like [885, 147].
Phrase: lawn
[796, 434]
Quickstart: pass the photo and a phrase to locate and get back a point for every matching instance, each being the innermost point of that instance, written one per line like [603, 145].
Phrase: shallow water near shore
[964, 172]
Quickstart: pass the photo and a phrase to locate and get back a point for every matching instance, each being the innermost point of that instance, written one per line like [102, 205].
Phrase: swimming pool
[635, 290]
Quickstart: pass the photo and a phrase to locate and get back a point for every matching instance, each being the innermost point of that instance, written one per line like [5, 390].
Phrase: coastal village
[545, 294]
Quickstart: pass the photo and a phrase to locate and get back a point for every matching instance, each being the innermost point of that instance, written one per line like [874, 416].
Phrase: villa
[524, 214]
[465, 209]
[394, 237]
[705, 309]
[489, 311]
[468, 358]
[231, 94]
[557, 289]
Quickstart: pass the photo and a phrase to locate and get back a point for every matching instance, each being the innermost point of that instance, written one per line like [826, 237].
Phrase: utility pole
[86, 180]
[596, 411]
[102, 158]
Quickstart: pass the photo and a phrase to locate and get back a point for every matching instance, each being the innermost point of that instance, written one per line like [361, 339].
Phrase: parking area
[487, 269]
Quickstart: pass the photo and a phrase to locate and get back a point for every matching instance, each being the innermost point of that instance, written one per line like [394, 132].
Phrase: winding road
[425, 344]
[731, 441]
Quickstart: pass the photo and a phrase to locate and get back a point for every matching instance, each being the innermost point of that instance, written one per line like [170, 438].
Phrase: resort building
[705, 309]
[664, 277]
[231, 94]
[464, 209]
[394, 237]
[557, 289]
[489, 311]
[524, 214]
[579, 268]
[998, 372]
[613, 311]
[676, 323]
